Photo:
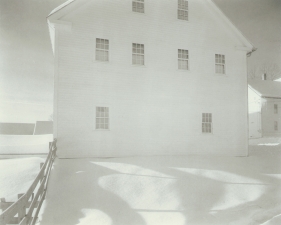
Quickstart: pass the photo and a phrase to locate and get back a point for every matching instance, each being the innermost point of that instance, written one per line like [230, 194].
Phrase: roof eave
[247, 44]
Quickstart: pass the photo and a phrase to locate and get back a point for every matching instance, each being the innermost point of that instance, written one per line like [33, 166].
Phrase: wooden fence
[22, 211]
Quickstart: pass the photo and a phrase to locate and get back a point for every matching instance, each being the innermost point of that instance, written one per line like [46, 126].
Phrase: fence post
[41, 165]
[22, 209]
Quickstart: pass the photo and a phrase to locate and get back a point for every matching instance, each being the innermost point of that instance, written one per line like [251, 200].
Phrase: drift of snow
[164, 190]
[16, 176]
[25, 144]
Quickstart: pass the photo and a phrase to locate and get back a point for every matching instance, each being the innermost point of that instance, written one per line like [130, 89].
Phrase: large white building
[139, 77]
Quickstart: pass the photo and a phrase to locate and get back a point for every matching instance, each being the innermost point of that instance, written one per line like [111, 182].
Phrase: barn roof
[266, 88]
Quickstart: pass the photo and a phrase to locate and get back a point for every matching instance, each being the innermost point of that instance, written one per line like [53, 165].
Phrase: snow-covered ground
[24, 144]
[16, 176]
[168, 190]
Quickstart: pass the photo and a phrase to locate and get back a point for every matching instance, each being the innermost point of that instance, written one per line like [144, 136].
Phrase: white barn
[264, 108]
[137, 77]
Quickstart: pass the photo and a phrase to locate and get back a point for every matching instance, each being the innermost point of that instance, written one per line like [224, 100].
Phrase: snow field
[16, 176]
[165, 190]
[25, 144]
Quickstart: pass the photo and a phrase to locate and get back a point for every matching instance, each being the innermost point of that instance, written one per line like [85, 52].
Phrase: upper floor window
[182, 59]
[182, 9]
[102, 118]
[206, 122]
[138, 54]
[138, 6]
[102, 47]
[275, 109]
[220, 64]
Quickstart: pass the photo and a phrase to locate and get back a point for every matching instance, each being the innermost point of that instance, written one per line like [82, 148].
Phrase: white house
[264, 108]
[138, 77]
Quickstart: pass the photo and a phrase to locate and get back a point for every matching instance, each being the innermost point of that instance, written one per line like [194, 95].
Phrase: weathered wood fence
[23, 210]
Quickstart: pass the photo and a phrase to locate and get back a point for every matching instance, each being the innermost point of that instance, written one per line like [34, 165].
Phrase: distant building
[16, 128]
[148, 78]
[43, 127]
[264, 108]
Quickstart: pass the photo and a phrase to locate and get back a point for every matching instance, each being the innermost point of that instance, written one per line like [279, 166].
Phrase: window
[220, 64]
[138, 6]
[275, 109]
[182, 59]
[102, 47]
[182, 9]
[102, 118]
[206, 122]
[138, 54]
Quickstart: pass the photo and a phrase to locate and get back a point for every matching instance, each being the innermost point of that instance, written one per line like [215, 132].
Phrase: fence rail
[22, 211]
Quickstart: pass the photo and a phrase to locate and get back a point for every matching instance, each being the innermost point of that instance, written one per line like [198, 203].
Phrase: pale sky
[26, 59]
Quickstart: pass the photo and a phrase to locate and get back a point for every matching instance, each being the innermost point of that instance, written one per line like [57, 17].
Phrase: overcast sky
[26, 60]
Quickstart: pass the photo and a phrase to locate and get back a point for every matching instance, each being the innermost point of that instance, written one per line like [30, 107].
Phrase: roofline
[271, 97]
[60, 8]
[55, 14]
[233, 27]
[261, 95]
[257, 92]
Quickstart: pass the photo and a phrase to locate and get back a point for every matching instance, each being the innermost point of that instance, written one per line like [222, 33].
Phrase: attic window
[138, 6]
[220, 64]
[102, 48]
[275, 125]
[182, 9]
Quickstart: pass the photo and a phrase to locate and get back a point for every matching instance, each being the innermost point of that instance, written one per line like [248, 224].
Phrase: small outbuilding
[264, 108]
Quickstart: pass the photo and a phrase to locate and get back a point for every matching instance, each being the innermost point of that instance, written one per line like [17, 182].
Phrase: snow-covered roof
[266, 88]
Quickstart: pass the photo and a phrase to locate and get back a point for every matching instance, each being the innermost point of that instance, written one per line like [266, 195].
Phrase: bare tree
[271, 70]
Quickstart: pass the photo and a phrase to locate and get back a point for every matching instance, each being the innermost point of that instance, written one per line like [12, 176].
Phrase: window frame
[138, 2]
[100, 116]
[102, 49]
[183, 59]
[207, 119]
[220, 63]
[137, 54]
[184, 9]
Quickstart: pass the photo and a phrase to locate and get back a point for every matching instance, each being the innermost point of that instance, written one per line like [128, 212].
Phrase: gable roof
[65, 4]
[69, 5]
[266, 88]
